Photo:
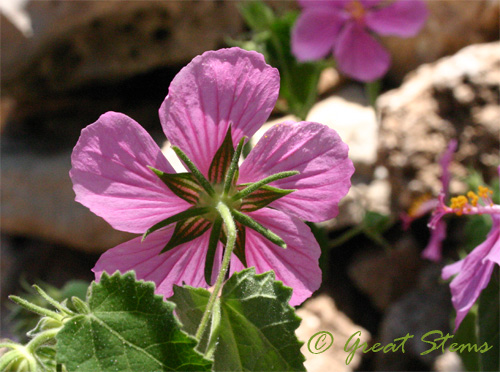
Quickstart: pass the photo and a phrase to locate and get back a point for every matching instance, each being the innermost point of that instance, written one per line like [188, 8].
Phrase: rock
[426, 308]
[385, 276]
[455, 97]
[78, 43]
[38, 201]
[444, 34]
[11, 41]
[321, 314]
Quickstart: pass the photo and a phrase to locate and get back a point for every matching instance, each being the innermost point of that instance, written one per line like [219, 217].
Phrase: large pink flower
[345, 27]
[218, 98]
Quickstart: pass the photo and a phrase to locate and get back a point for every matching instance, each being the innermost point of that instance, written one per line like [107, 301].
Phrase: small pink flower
[345, 27]
[229, 88]
[474, 271]
[433, 250]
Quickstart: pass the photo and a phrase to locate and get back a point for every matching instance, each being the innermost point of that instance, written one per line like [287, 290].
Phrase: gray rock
[321, 314]
[76, 43]
[38, 201]
[456, 97]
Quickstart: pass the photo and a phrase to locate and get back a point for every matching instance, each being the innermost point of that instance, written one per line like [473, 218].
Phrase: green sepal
[184, 185]
[187, 230]
[257, 185]
[261, 197]
[80, 305]
[251, 223]
[195, 171]
[222, 160]
[188, 213]
[233, 168]
[212, 248]
[239, 245]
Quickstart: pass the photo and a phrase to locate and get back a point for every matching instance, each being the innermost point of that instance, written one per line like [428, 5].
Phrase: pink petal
[434, 248]
[315, 32]
[320, 156]
[451, 270]
[474, 275]
[402, 18]
[296, 266]
[494, 254]
[183, 264]
[218, 88]
[110, 175]
[359, 55]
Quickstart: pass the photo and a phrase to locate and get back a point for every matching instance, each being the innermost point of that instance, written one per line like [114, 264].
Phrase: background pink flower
[229, 87]
[345, 28]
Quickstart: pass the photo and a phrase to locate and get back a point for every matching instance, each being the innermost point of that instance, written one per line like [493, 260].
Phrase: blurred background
[64, 63]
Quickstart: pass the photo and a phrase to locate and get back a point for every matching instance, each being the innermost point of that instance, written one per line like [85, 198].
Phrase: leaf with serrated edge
[257, 326]
[128, 329]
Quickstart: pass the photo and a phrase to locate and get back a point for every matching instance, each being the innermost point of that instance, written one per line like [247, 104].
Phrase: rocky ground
[85, 58]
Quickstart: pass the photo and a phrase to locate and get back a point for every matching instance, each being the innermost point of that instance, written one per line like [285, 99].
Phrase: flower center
[355, 9]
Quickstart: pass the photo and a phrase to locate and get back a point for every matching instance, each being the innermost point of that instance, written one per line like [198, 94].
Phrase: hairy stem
[225, 213]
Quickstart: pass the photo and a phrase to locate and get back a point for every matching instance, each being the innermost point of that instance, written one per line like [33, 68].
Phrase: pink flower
[433, 250]
[474, 271]
[225, 94]
[345, 27]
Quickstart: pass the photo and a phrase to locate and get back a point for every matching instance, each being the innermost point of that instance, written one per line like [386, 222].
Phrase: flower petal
[297, 266]
[183, 264]
[433, 251]
[474, 275]
[111, 177]
[359, 55]
[315, 33]
[218, 88]
[401, 18]
[320, 156]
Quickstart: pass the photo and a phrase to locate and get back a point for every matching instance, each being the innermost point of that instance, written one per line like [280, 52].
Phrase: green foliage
[126, 327]
[254, 327]
[467, 334]
[271, 37]
[25, 320]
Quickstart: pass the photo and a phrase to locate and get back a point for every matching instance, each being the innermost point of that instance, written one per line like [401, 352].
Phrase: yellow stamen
[459, 202]
[484, 192]
[473, 198]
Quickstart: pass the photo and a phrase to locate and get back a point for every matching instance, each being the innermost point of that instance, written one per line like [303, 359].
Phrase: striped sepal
[222, 160]
[212, 249]
[184, 185]
[239, 246]
[187, 230]
[261, 197]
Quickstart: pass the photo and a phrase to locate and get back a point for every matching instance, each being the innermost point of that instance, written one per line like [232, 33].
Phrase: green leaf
[128, 329]
[256, 14]
[222, 160]
[489, 327]
[187, 230]
[262, 197]
[184, 185]
[256, 327]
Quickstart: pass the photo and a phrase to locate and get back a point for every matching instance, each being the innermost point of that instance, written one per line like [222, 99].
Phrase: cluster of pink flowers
[345, 28]
[116, 167]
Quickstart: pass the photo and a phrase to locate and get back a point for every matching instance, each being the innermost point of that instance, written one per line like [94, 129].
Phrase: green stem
[225, 213]
[41, 339]
[34, 308]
